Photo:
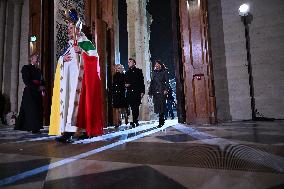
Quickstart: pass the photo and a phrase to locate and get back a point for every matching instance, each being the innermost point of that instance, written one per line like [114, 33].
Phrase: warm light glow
[244, 10]
[32, 47]
[187, 4]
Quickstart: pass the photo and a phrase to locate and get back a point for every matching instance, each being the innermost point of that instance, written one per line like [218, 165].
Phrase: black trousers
[161, 118]
[135, 113]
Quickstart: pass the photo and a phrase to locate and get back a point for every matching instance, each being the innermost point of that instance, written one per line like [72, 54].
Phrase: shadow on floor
[136, 177]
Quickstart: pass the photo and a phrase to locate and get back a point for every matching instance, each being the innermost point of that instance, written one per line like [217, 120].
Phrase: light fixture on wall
[244, 10]
[246, 17]
[33, 47]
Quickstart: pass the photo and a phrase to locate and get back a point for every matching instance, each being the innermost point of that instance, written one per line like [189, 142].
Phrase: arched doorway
[165, 46]
[188, 54]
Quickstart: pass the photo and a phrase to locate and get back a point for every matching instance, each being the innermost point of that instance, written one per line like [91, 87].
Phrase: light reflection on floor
[230, 155]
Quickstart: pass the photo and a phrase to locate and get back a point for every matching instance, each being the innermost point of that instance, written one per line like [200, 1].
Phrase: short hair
[160, 62]
[132, 60]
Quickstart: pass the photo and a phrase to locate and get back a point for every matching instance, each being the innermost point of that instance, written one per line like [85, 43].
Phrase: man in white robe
[69, 64]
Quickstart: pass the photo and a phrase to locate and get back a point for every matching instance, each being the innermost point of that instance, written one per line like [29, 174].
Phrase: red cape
[90, 111]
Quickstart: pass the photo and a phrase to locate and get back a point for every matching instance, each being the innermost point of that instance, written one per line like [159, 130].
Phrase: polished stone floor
[239, 155]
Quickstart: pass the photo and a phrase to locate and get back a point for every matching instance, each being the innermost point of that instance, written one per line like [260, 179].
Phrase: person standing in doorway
[135, 89]
[159, 88]
[31, 111]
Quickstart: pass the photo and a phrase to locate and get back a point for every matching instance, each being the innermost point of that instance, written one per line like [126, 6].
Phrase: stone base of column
[11, 118]
[147, 109]
[144, 109]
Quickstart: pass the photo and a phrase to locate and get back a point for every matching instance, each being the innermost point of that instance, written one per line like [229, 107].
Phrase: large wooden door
[196, 60]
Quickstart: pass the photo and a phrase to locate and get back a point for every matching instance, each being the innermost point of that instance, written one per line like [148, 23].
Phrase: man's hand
[77, 49]
[165, 92]
[127, 85]
[67, 57]
[41, 88]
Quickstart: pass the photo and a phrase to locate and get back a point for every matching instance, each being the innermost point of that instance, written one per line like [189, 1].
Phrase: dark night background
[161, 33]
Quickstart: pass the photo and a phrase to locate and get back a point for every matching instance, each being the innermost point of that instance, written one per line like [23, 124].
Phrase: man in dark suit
[135, 89]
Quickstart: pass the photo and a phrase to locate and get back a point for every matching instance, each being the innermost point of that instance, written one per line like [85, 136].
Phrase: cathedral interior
[225, 63]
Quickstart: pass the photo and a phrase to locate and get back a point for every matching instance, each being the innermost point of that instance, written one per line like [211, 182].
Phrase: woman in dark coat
[118, 94]
[31, 112]
[159, 87]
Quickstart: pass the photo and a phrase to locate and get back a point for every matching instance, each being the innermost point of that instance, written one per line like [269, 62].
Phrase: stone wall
[116, 32]
[267, 47]
[7, 60]
[3, 8]
[219, 60]
[229, 58]
[24, 51]
[14, 37]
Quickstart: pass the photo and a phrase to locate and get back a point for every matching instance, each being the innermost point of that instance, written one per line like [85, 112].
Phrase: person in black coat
[31, 112]
[135, 89]
[118, 95]
[159, 87]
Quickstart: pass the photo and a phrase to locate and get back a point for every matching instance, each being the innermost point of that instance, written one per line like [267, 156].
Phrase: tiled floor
[245, 155]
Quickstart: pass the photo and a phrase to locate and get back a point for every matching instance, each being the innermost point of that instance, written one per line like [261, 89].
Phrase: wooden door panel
[200, 96]
[198, 85]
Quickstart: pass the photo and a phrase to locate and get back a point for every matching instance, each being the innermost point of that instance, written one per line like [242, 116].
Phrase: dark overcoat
[31, 112]
[118, 90]
[134, 77]
[159, 84]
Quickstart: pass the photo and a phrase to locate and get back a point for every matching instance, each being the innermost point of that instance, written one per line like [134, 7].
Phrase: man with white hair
[77, 100]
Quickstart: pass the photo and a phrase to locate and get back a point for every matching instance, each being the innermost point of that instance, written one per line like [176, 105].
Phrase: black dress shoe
[70, 140]
[159, 126]
[36, 132]
[83, 137]
[132, 124]
[61, 139]
[65, 138]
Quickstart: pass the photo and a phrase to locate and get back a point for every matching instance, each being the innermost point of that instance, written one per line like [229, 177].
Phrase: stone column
[3, 4]
[24, 47]
[138, 23]
[131, 17]
[16, 55]
[116, 31]
[8, 52]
